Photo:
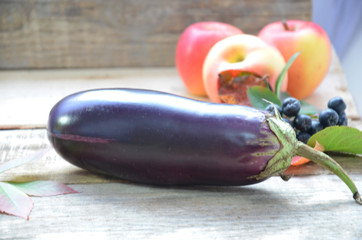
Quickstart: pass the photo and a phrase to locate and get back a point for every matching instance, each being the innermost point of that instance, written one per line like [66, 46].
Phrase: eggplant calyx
[327, 162]
[290, 147]
[283, 158]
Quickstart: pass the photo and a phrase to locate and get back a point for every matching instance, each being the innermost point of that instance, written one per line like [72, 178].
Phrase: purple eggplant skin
[152, 137]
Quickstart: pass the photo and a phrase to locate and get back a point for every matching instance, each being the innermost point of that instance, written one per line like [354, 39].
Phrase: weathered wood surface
[306, 207]
[28, 96]
[303, 208]
[43, 34]
[24, 143]
[107, 208]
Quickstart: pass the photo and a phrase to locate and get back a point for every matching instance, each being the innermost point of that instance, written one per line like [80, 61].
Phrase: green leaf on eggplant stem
[43, 188]
[256, 95]
[14, 202]
[284, 71]
[339, 139]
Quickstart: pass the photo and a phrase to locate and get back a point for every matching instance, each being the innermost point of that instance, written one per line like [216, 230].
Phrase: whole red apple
[308, 38]
[238, 62]
[192, 48]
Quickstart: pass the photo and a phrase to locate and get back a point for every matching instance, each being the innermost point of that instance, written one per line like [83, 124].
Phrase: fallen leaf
[14, 202]
[43, 188]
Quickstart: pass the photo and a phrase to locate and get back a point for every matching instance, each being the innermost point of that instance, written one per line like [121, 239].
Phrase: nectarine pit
[233, 86]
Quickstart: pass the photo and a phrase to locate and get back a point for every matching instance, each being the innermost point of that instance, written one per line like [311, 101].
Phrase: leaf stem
[327, 162]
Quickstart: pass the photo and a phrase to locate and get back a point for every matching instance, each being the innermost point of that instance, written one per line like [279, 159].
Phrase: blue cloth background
[342, 20]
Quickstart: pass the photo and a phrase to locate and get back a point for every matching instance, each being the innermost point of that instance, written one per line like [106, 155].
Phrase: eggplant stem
[285, 177]
[327, 162]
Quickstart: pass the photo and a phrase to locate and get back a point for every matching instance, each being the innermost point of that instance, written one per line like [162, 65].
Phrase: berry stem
[327, 162]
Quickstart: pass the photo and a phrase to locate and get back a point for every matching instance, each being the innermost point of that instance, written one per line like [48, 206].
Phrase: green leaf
[43, 188]
[281, 76]
[256, 95]
[308, 109]
[14, 202]
[339, 139]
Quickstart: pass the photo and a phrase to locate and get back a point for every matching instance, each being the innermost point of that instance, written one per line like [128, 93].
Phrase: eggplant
[152, 137]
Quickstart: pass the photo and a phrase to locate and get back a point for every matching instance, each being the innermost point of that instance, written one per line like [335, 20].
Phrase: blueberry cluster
[303, 124]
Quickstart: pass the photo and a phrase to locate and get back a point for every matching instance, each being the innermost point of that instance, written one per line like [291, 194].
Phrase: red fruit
[192, 48]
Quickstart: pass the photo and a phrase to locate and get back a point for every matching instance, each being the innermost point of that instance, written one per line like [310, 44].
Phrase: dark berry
[343, 120]
[303, 137]
[328, 117]
[288, 121]
[291, 107]
[270, 109]
[316, 127]
[337, 104]
[303, 122]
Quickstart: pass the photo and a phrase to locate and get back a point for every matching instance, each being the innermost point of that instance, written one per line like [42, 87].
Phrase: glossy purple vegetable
[158, 138]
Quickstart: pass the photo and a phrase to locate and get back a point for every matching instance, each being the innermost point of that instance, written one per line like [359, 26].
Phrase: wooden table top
[312, 205]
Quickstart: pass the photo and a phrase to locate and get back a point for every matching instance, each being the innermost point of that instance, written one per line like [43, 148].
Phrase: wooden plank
[28, 96]
[303, 208]
[16, 144]
[43, 34]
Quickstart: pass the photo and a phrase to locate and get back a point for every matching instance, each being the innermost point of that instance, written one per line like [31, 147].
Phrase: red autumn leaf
[14, 202]
[14, 199]
[44, 188]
